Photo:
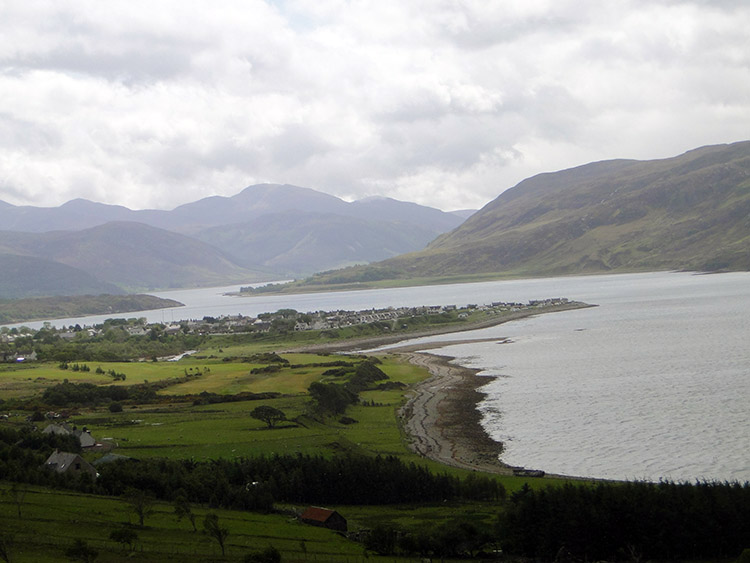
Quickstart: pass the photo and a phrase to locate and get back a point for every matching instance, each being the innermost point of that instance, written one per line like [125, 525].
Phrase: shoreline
[370, 342]
[442, 421]
[440, 416]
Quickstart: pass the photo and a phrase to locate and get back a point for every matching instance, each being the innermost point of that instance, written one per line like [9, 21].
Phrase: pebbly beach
[440, 417]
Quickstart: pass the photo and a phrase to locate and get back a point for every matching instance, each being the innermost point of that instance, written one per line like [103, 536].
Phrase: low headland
[440, 417]
[61, 307]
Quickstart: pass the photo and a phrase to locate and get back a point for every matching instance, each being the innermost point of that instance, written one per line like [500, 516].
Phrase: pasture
[51, 520]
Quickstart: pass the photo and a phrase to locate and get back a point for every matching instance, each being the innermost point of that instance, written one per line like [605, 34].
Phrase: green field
[199, 411]
[226, 430]
[51, 520]
[181, 429]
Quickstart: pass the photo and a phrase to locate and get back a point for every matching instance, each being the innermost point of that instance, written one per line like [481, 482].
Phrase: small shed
[324, 518]
[69, 463]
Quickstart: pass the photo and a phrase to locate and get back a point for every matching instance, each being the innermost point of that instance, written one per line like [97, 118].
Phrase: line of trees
[334, 398]
[247, 484]
[612, 521]
[67, 394]
[256, 483]
[667, 521]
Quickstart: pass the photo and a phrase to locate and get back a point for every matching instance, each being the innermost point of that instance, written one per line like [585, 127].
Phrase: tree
[140, 503]
[332, 398]
[80, 551]
[124, 536]
[17, 494]
[213, 529]
[6, 543]
[270, 415]
[182, 510]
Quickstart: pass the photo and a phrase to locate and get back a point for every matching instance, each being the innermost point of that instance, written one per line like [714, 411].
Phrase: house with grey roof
[84, 436]
[69, 463]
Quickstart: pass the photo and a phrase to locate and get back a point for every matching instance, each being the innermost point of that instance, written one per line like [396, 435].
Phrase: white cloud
[441, 102]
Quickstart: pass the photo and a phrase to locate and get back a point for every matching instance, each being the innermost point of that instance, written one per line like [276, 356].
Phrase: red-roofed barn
[324, 517]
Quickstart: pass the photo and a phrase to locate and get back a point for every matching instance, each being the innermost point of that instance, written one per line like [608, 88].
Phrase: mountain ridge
[689, 212]
[308, 230]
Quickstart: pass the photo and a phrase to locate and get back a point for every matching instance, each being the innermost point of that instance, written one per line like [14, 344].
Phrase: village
[17, 344]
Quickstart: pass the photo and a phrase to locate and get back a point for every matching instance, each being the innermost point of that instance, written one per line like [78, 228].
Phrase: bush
[124, 536]
[80, 551]
[268, 555]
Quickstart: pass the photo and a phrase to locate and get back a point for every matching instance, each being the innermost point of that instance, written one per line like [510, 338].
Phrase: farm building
[323, 517]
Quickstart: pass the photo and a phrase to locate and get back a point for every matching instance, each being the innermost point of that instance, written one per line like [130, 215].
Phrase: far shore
[440, 416]
[372, 342]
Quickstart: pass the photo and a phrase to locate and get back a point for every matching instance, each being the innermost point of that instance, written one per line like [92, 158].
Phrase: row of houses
[64, 429]
[318, 320]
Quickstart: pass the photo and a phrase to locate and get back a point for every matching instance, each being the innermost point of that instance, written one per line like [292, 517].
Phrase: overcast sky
[443, 102]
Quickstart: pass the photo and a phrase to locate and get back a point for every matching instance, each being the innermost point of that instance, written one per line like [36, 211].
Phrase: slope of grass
[51, 520]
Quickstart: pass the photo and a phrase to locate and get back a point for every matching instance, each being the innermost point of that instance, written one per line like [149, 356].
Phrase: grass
[51, 520]
[227, 429]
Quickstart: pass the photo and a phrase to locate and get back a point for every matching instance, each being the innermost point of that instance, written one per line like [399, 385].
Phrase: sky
[445, 103]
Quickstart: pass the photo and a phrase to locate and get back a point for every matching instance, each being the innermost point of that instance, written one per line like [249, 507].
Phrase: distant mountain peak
[279, 228]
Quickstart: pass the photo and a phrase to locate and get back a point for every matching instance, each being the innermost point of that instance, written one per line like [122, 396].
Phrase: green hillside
[302, 243]
[26, 276]
[60, 307]
[131, 256]
[691, 212]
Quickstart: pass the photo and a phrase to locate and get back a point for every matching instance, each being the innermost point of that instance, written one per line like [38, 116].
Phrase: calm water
[654, 383]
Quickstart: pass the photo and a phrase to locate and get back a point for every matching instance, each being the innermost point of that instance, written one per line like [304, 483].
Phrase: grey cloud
[147, 64]
[443, 101]
[483, 33]
[296, 145]
[24, 135]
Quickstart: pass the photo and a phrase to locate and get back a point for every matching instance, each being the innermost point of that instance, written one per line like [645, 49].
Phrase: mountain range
[689, 212]
[265, 232]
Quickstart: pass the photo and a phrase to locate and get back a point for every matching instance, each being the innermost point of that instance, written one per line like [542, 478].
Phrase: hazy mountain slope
[402, 212]
[302, 243]
[26, 276]
[75, 215]
[688, 212]
[251, 225]
[463, 214]
[250, 203]
[132, 255]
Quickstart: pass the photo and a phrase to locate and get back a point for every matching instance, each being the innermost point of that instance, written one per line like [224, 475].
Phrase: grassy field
[226, 430]
[51, 520]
